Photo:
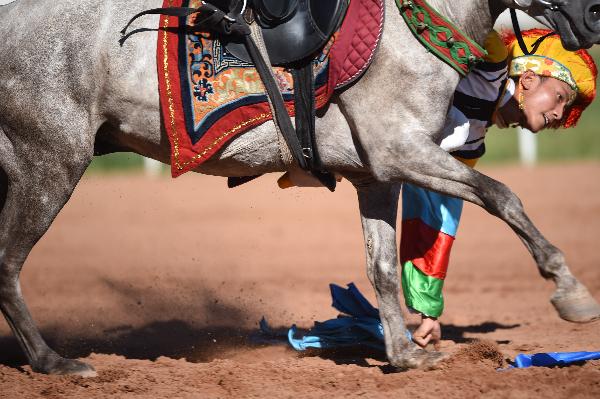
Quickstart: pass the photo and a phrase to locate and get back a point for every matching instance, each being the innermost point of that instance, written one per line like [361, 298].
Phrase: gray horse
[69, 91]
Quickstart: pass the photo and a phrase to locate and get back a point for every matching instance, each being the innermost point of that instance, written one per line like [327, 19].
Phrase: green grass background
[581, 142]
[116, 163]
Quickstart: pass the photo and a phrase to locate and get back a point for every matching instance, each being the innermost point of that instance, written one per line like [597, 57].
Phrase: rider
[548, 89]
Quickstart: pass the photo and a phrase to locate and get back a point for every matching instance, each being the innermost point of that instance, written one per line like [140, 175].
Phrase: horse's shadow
[174, 339]
[457, 333]
[180, 339]
[194, 340]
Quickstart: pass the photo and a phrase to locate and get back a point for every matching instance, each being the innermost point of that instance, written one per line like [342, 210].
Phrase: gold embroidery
[172, 132]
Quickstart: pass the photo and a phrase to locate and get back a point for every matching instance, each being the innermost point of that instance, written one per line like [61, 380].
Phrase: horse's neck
[472, 16]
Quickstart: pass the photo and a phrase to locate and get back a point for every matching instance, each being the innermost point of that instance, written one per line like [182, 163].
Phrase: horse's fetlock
[556, 260]
[554, 265]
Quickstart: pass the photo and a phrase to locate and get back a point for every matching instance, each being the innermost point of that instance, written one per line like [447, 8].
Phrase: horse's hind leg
[35, 191]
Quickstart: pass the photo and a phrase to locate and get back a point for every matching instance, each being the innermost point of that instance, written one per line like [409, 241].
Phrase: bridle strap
[517, 29]
[553, 5]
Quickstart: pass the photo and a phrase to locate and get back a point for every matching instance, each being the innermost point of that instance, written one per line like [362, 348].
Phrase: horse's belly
[257, 151]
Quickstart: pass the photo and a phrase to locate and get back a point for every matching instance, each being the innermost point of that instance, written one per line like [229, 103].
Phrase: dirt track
[137, 273]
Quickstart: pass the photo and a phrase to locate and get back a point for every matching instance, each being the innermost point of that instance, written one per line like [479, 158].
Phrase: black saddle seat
[274, 12]
[293, 30]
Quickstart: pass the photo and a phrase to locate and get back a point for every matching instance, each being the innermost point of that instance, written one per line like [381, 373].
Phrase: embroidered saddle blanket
[208, 96]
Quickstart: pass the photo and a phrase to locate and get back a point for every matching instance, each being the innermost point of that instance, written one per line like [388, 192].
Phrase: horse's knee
[498, 198]
[9, 284]
[381, 269]
[510, 206]
[385, 276]
[10, 267]
[381, 273]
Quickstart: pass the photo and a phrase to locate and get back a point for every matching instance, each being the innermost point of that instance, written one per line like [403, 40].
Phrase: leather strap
[281, 115]
[522, 45]
[211, 18]
[284, 151]
[304, 98]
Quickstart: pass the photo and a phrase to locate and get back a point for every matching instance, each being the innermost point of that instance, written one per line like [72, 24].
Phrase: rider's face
[545, 100]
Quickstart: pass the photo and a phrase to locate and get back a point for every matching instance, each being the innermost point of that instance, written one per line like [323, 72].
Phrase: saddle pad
[208, 96]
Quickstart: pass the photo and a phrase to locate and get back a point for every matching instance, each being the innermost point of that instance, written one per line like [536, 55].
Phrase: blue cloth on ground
[359, 324]
[551, 359]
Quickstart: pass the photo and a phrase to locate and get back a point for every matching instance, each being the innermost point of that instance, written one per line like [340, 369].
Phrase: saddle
[292, 32]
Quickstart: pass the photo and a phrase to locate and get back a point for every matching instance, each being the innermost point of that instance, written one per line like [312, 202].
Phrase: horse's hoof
[576, 305]
[420, 359]
[56, 365]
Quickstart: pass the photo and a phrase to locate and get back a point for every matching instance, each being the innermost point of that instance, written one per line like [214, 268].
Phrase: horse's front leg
[378, 210]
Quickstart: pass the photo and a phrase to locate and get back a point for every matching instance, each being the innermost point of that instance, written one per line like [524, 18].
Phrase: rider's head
[554, 85]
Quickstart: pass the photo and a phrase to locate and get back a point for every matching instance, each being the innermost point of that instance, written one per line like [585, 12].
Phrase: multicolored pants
[429, 224]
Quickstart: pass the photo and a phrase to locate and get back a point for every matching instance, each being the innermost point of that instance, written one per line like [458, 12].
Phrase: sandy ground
[160, 284]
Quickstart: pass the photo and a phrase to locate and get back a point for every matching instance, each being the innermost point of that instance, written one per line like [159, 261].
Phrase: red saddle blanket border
[185, 155]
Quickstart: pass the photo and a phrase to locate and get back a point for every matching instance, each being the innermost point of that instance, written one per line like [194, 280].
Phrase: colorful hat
[576, 68]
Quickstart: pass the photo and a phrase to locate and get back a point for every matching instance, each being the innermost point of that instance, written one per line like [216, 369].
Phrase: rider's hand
[429, 331]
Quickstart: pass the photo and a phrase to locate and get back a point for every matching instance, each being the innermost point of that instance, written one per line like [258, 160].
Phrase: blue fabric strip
[554, 359]
[438, 211]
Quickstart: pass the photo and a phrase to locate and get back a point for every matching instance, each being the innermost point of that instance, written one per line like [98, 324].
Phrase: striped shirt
[476, 98]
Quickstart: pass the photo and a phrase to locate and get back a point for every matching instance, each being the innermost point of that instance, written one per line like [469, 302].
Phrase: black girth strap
[301, 141]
